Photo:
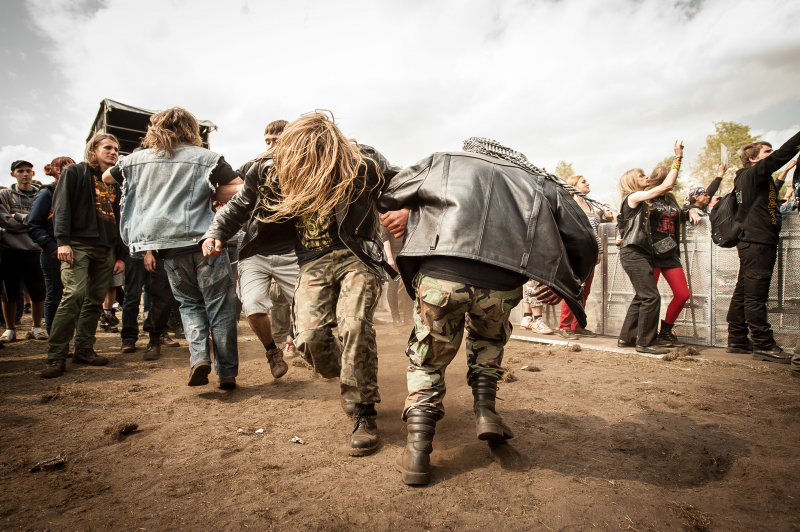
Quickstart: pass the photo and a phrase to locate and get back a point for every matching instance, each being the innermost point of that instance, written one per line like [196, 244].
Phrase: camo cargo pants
[338, 290]
[441, 312]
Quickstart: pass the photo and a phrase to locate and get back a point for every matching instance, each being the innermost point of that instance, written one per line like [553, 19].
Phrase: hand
[619, 240]
[792, 164]
[546, 295]
[694, 217]
[678, 148]
[721, 170]
[212, 247]
[119, 267]
[150, 262]
[65, 254]
[395, 222]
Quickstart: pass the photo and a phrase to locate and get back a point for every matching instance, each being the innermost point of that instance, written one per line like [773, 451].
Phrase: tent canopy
[129, 124]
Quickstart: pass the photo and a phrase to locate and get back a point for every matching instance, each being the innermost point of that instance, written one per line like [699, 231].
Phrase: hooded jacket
[14, 210]
[490, 210]
[40, 220]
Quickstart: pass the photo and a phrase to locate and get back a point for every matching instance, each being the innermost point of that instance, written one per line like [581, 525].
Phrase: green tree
[564, 170]
[734, 136]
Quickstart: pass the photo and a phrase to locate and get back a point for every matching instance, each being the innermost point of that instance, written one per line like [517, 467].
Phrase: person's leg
[568, 321]
[12, 278]
[314, 317]
[392, 299]
[99, 272]
[759, 262]
[641, 321]
[33, 278]
[134, 279]
[155, 324]
[680, 293]
[185, 287]
[51, 270]
[738, 331]
[215, 281]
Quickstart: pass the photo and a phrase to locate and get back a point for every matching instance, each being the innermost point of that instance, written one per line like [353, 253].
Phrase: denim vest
[166, 201]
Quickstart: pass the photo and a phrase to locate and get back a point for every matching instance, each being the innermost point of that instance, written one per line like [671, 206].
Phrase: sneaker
[53, 368]
[198, 375]
[152, 352]
[568, 334]
[539, 326]
[111, 318]
[87, 355]
[128, 346]
[169, 342]
[36, 333]
[277, 366]
[9, 336]
[106, 324]
[586, 333]
[526, 322]
[227, 383]
[289, 351]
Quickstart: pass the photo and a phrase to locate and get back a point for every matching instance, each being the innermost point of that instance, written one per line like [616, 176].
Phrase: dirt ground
[603, 441]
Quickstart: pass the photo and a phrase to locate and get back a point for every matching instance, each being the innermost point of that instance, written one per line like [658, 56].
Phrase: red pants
[568, 319]
[680, 291]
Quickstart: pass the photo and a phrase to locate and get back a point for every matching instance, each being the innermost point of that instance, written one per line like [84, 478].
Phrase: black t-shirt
[471, 272]
[105, 196]
[222, 174]
[317, 235]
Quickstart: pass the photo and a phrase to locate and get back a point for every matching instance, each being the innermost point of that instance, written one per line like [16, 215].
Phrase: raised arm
[643, 195]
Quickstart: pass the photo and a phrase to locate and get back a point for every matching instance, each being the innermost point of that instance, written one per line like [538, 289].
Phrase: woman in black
[637, 252]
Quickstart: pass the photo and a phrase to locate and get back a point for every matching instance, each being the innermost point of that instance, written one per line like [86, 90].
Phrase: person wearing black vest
[636, 254]
[758, 249]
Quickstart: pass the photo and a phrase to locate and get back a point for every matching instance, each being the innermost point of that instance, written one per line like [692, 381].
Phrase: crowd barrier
[711, 273]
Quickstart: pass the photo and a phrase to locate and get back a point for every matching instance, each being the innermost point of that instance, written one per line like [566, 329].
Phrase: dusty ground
[604, 441]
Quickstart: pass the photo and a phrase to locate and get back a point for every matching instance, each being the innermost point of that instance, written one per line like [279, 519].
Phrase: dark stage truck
[129, 124]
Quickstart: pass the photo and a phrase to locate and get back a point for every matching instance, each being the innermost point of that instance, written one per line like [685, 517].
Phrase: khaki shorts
[255, 275]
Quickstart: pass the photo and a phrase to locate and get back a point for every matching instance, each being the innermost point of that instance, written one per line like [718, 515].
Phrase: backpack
[726, 227]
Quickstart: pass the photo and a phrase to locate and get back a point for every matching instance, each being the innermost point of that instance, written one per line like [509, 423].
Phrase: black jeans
[135, 277]
[641, 322]
[748, 310]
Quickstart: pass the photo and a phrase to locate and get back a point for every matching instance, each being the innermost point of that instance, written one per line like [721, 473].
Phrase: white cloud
[605, 85]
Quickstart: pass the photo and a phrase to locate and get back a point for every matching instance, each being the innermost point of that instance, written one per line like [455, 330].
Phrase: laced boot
[490, 425]
[415, 460]
[364, 440]
[666, 335]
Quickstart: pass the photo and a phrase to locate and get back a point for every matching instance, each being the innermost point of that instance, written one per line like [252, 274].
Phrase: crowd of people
[321, 224]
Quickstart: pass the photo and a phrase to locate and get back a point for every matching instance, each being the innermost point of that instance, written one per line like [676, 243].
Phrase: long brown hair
[170, 129]
[89, 155]
[316, 167]
[657, 176]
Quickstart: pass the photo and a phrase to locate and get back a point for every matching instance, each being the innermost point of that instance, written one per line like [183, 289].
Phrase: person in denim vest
[167, 194]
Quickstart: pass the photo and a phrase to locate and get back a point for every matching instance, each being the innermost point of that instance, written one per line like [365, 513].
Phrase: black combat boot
[489, 423]
[364, 440]
[666, 335]
[415, 460]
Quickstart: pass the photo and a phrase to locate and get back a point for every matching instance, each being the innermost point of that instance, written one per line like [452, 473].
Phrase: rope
[493, 148]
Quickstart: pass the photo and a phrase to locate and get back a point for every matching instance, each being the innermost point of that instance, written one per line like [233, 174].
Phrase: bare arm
[108, 178]
[224, 193]
[643, 195]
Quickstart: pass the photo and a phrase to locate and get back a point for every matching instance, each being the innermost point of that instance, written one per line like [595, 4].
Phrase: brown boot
[489, 423]
[415, 460]
[364, 440]
[276, 364]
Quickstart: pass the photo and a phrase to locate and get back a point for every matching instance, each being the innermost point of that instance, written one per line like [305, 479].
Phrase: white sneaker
[9, 336]
[289, 350]
[37, 333]
[539, 326]
[526, 322]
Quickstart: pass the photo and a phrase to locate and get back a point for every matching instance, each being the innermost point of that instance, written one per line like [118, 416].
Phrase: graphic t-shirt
[664, 220]
[317, 235]
[104, 197]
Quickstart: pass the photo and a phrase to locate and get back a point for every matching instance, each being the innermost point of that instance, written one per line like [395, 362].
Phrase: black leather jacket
[357, 219]
[240, 213]
[490, 210]
[636, 229]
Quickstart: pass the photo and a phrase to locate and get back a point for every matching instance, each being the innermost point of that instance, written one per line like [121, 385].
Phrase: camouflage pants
[338, 290]
[442, 310]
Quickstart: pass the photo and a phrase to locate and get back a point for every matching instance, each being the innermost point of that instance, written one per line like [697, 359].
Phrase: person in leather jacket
[649, 221]
[478, 228]
[326, 186]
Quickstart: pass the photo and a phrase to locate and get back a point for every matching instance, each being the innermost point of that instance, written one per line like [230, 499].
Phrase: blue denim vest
[166, 201]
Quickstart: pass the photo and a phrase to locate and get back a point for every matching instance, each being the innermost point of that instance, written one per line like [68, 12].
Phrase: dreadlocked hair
[315, 168]
[170, 129]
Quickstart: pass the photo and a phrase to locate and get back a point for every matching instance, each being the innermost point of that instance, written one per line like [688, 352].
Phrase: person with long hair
[40, 229]
[568, 326]
[169, 188]
[648, 225]
[327, 185]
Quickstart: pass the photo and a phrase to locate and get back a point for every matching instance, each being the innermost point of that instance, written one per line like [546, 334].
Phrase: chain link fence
[711, 274]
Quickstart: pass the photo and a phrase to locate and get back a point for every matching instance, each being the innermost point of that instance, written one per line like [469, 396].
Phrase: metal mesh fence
[711, 273]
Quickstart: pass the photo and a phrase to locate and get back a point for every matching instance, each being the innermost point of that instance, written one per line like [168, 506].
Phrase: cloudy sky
[606, 85]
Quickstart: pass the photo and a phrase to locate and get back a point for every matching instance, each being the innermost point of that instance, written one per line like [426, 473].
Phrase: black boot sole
[199, 375]
[364, 451]
[412, 478]
[767, 358]
[488, 431]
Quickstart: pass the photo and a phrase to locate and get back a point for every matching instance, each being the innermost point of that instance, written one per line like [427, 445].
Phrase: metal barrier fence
[711, 273]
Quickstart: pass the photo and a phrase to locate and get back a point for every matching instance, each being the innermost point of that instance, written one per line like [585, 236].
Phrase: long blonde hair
[629, 182]
[89, 155]
[316, 167]
[170, 129]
